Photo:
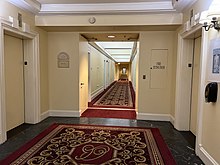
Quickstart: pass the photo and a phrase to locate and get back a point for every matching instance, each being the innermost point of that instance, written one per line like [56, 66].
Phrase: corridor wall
[155, 103]
[97, 71]
[63, 82]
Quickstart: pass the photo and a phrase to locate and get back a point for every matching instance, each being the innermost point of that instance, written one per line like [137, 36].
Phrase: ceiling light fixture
[111, 36]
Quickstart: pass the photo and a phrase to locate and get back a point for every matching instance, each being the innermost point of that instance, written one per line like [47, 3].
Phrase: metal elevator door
[14, 81]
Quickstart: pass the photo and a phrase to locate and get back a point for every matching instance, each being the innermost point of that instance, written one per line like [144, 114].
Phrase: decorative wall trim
[156, 117]
[97, 92]
[64, 113]
[206, 158]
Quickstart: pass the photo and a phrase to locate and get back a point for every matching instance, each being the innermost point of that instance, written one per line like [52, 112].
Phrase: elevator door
[14, 82]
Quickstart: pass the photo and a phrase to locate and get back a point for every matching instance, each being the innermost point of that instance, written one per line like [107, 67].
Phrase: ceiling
[117, 36]
[119, 51]
[93, 1]
[101, 6]
[117, 45]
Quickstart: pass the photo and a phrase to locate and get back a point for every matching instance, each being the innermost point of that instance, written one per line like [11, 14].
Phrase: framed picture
[214, 61]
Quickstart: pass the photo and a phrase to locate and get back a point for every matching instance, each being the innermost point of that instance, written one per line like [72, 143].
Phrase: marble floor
[181, 144]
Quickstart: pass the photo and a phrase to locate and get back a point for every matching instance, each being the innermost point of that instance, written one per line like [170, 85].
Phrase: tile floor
[179, 143]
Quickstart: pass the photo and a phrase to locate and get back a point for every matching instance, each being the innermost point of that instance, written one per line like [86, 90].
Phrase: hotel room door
[14, 82]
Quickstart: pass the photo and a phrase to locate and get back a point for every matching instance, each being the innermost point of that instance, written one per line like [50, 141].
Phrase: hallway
[117, 101]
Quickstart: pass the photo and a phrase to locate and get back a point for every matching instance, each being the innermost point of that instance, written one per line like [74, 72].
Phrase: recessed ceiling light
[111, 36]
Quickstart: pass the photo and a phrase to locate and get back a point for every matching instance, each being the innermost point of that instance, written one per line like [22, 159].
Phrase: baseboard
[205, 157]
[97, 92]
[44, 115]
[155, 117]
[60, 113]
[172, 119]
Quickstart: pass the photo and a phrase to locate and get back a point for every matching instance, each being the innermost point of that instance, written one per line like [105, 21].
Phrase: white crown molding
[107, 7]
[181, 5]
[32, 6]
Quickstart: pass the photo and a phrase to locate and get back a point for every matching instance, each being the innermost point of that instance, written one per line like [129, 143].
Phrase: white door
[195, 85]
[83, 74]
[14, 82]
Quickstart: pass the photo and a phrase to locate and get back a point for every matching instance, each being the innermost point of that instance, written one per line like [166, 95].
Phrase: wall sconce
[211, 17]
[209, 23]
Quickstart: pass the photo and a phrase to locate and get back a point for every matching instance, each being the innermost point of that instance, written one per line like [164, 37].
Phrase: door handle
[82, 83]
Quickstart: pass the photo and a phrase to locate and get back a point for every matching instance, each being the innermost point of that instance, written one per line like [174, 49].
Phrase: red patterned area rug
[94, 145]
[119, 95]
[107, 113]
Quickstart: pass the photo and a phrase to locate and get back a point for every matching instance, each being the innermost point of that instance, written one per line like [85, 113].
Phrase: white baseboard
[205, 157]
[172, 119]
[60, 113]
[97, 92]
[155, 117]
[44, 115]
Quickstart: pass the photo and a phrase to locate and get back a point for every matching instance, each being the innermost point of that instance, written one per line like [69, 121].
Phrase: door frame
[182, 115]
[31, 79]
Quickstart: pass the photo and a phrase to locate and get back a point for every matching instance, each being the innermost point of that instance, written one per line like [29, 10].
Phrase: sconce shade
[214, 9]
[203, 18]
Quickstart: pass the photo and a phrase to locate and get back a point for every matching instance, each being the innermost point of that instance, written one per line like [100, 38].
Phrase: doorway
[29, 103]
[195, 87]
[14, 81]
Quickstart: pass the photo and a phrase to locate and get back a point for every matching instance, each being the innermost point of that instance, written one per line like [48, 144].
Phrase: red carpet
[104, 113]
[118, 95]
[83, 144]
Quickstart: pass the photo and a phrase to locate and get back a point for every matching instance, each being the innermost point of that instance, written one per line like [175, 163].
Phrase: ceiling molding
[107, 7]
[32, 6]
[181, 5]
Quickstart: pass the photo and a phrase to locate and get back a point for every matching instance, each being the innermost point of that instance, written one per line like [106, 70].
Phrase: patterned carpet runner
[119, 95]
[94, 145]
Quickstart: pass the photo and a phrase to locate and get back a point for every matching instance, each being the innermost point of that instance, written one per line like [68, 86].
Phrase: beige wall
[97, 70]
[148, 98]
[134, 70]
[135, 75]
[6, 10]
[112, 69]
[211, 115]
[63, 82]
[44, 88]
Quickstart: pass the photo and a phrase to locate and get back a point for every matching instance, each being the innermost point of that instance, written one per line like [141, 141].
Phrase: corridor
[117, 101]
